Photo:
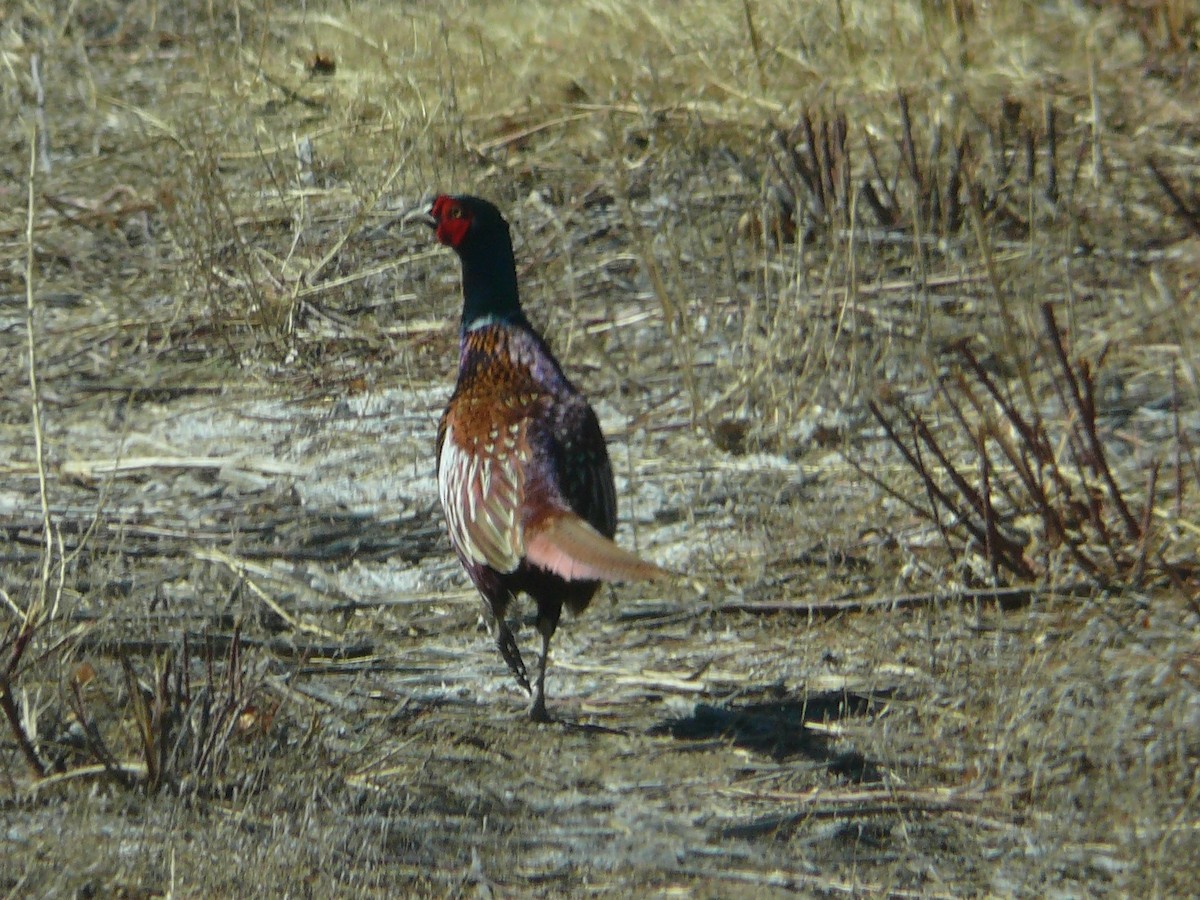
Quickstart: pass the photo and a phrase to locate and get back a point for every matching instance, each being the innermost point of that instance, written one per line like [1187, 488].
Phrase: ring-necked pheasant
[523, 469]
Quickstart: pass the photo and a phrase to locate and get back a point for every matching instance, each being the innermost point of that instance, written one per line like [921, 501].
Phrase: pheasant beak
[424, 216]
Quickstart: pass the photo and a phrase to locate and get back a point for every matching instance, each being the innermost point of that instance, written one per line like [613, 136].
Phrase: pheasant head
[475, 230]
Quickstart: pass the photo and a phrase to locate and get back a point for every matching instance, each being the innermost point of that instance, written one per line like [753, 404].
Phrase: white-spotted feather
[489, 489]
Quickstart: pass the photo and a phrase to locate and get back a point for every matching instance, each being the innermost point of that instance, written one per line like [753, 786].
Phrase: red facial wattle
[452, 220]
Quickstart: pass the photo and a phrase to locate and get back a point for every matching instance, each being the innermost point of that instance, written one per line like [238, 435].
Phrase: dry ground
[237, 653]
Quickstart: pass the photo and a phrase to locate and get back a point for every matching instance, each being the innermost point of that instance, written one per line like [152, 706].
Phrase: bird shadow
[779, 729]
[588, 728]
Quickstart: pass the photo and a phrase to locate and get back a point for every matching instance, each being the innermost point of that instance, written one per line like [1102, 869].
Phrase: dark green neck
[490, 285]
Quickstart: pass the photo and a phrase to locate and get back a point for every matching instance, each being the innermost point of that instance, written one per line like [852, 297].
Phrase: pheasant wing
[504, 499]
[584, 472]
[481, 483]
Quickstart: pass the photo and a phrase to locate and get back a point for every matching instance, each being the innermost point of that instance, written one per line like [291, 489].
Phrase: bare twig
[1005, 596]
[1051, 154]
[756, 45]
[245, 571]
[1190, 215]
[9, 705]
[35, 398]
[1085, 408]
[126, 772]
[908, 149]
[34, 615]
[94, 740]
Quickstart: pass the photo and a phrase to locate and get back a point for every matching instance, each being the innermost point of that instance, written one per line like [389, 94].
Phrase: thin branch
[8, 703]
[1086, 408]
[38, 436]
[1185, 211]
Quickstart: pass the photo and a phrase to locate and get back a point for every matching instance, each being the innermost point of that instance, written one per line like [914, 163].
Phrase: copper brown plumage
[523, 470]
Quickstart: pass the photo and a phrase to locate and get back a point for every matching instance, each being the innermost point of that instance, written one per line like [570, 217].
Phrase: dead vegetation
[1039, 500]
[889, 311]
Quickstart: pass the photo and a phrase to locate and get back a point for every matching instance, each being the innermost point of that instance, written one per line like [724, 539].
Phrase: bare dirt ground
[237, 656]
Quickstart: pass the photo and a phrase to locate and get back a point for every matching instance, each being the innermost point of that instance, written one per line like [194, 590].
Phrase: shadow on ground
[778, 729]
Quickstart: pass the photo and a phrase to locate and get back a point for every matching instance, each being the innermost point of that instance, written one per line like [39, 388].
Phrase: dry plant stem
[1086, 409]
[978, 504]
[245, 571]
[921, 431]
[8, 703]
[952, 206]
[220, 714]
[1011, 556]
[291, 93]
[1190, 215]
[33, 616]
[1183, 449]
[1098, 173]
[756, 45]
[934, 210]
[900, 498]
[786, 147]
[130, 771]
[95, 742]
[986, 431]
[1073, 516]
[1139, 569]
[1008, 320]
[908, 148]
[1177, 427]
[1191, 596]
[817, 182]
[1051, 154]
[1005, 597]
[148, 726]
[1034, 439]
[989, 516]
[935, 498]
[1041, 486]
[893, 203]
[36, 409]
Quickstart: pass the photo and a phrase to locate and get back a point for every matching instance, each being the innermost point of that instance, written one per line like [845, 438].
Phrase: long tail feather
[569, 547]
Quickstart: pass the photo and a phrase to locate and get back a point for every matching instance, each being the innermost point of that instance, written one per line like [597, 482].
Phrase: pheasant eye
[454, 212]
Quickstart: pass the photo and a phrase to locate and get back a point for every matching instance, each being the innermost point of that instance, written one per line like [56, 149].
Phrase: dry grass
[954, 658]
